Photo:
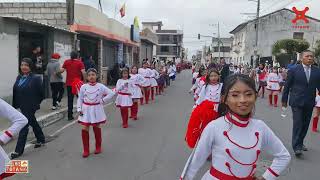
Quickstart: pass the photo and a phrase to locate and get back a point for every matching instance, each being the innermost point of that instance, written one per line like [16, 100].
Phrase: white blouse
[137, 79]
[274, 78]
[92, 94]
[155, 74]
[146, 73]
[210, 92]
[235, 149]
[17, 119]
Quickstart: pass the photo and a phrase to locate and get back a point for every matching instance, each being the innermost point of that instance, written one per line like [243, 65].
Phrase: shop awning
[20, 19]
[105, 34]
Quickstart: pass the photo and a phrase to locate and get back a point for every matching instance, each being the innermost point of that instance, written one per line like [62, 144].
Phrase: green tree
[288, 47]
[317, 49]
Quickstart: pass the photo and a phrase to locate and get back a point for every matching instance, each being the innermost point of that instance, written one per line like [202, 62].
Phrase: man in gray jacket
[56, 80]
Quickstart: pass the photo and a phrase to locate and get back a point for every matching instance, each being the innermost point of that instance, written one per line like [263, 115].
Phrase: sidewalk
[45, 116]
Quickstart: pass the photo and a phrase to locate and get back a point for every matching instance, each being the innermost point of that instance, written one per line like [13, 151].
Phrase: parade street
[153, 147]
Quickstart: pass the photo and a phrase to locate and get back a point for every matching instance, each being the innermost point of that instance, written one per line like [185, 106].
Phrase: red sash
[220, 175]
[91, 104]
[125, 94]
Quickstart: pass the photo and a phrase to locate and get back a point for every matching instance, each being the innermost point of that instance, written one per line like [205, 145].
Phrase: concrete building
[105, 39]
[170, 42]
[225, 49]
[272, 27]
[17, 37]
[149, 41]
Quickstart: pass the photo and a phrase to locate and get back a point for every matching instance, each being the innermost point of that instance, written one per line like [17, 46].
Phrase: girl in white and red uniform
[262, 79]
[92, 97]
[206, 108]
[236, 140]
[146, 73]
[194, 77]
[125, 89]
[200, 81]
[316, 114]
[153, 81]
[18, 122]
[273, 85]
[137, 82]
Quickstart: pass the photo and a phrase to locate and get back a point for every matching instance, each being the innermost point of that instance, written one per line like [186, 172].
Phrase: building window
[222, 49]
[175, 39]
[164, 49]
[165, 38]
[298, 35]
[174, 49]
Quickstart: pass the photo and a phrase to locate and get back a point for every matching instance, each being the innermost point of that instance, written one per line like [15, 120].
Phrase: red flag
[123, 10]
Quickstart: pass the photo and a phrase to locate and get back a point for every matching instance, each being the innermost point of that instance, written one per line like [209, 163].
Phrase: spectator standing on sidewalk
[56, 80]
[75, 70]
[89, 63]
[27, 96]
[37, 60]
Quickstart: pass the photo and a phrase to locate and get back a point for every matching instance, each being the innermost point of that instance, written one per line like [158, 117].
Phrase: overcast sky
[194, 16]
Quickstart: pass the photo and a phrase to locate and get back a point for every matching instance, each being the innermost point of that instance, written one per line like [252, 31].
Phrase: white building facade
[272, 27]
[225, 49]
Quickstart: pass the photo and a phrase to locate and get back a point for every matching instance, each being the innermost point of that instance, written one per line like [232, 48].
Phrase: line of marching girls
[222, 130]
[135, 84]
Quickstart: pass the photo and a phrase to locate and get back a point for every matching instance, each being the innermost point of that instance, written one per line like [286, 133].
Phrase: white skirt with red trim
[273, 86]
[153, 82]
[124, 101]
[136, 92]
[92, 115]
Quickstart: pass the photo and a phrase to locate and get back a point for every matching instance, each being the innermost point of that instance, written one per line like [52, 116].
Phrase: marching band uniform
[124, 88]
[196, 88]
[205, 111]
[153, 81]
[146, 73]
[194, 77]
[235, 144]
[92, 97]
[137, 81]
[18, 122]
[273, 84]
[316, 119]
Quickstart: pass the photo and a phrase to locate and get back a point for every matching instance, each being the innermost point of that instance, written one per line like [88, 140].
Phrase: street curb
[53, 117]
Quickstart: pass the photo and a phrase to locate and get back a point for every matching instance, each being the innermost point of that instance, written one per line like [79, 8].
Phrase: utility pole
[257, 23]
[257, 34]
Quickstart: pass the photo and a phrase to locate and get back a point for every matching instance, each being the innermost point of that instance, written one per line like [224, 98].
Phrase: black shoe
[70, 118]
[298, 153]
[15, 155]
[38, 145]
[304, 148]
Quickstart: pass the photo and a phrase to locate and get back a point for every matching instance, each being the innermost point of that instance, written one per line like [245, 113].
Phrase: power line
[282, 6]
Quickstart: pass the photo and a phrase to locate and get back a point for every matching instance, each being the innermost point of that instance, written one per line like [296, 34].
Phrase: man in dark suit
[302, 82]
[225, 71]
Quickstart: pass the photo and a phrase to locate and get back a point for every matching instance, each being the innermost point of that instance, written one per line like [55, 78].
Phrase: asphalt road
[153, 147]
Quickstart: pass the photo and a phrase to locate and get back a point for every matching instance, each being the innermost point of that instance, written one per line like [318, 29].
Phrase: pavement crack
[155, 160]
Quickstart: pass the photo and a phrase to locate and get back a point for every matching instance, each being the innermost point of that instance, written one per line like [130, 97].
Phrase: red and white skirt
[93, 114]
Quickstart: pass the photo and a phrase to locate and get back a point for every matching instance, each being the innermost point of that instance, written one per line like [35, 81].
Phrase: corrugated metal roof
[20, 19]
